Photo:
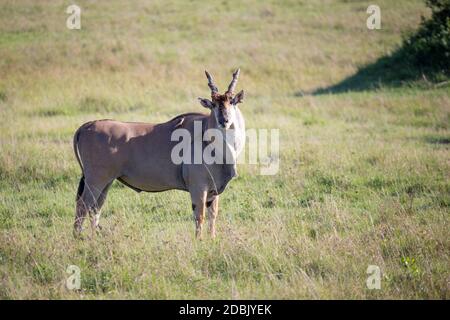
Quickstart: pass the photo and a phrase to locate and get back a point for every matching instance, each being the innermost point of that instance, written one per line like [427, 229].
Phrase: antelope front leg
[198, 208]
[213, 210]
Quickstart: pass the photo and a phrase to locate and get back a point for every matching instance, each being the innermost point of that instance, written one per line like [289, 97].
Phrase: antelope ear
[238, 98]
[206, 103]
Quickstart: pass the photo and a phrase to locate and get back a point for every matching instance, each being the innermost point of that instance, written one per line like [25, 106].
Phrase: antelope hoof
[77, 234]
[99, 230]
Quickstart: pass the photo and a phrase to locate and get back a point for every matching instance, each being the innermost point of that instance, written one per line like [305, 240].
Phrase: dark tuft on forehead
[221, 97]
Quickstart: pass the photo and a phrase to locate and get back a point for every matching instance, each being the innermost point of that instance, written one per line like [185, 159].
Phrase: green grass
[363, 179]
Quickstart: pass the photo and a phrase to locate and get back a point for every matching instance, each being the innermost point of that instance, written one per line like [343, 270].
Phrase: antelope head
[223, 106]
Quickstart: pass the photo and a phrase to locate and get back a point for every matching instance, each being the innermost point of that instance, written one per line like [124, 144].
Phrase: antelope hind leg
[101, 200]
[87, 203]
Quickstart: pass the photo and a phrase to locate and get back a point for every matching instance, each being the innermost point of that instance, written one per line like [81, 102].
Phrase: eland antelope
[139, 155]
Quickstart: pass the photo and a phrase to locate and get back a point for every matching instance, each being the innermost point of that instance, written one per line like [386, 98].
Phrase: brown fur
[139, 156]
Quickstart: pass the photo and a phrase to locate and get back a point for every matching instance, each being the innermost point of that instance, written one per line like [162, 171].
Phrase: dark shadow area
[423, 59]
[395, 70]
[438, 140]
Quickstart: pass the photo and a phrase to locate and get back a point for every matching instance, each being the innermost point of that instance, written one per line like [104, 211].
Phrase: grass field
[364, 172]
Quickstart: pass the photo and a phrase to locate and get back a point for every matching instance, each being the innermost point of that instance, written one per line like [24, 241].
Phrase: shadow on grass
[423, 59]
[395, 70]
[437, 140]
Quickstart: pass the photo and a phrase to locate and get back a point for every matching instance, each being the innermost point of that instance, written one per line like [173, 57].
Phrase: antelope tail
[76, 139]
[76, 150]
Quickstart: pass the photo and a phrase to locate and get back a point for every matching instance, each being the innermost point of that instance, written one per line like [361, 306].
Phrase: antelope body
[139, 156]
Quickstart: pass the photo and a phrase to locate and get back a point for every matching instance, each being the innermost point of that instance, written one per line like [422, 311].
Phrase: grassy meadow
[364, 172]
